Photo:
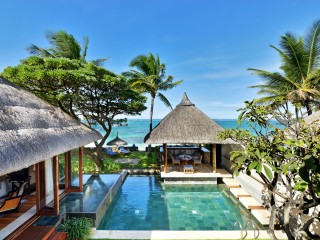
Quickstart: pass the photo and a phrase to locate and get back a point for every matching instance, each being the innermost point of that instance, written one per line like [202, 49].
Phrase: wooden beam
[55, 171]
[80, 169]
[165, 154]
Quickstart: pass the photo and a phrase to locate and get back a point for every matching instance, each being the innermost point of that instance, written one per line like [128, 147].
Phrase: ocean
[137, 129]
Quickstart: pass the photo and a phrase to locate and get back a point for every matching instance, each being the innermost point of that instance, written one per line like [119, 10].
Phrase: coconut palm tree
[64, 45]
[150, 78]
[300, 81]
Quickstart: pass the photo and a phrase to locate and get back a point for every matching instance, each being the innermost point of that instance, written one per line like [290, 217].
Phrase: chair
[16, 193]
[110, 152]
[197, 160]
[175, 161]
[123, 150]
[10, 204]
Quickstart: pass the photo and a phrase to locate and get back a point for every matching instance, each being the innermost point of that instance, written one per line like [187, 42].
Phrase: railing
[246, 229]
[240, 229]
[254, 229]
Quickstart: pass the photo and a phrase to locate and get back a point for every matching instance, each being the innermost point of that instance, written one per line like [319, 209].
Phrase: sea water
[136, 129]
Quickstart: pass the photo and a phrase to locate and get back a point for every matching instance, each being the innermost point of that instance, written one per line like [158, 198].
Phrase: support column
[55, 166]
[165, 153]
[80, 169]
[66, 170]
[214, 157]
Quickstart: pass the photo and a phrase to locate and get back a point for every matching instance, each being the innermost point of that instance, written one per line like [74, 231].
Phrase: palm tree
[150, 78]
[64, 45]
[299, 83]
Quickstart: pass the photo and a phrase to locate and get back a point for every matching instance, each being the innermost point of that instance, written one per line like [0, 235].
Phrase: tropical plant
[287, 162]
[150, 78]
[77, 228]
[82, 90]
[64, 45]
[300, 82]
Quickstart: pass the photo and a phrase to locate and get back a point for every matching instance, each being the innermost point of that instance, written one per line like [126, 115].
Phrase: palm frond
[312, 45]
[164, 100]
[85, 48]
[99, 62]
[38, 51]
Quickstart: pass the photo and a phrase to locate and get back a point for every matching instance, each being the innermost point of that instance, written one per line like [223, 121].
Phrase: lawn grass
[147, 161]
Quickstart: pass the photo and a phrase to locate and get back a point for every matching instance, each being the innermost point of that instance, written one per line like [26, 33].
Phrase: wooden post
[165, 154]
[66, 171]
[37, 189]
[214, 157]
[55, 166]
[40, 186]
[80, 169]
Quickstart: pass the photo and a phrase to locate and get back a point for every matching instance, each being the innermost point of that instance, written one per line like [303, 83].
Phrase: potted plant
[77, 228]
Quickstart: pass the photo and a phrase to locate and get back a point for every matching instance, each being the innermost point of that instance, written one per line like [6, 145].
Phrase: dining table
[185, 159]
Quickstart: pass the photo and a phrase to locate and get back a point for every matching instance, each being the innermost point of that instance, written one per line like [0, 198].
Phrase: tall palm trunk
[308, 107]
[151, 116]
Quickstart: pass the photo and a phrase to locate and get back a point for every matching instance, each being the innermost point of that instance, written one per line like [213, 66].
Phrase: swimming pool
[145, 203]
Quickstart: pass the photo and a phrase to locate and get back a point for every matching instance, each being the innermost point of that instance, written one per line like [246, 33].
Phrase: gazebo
[117, 142]
[186, 124]
[32, 131]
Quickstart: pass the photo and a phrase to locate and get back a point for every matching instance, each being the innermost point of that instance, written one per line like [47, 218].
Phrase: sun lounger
[10, 204]
[110, 152]
[123, 150]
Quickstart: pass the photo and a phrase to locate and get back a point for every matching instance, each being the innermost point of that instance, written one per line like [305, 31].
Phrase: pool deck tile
[249, 202]
[262, 215]
[115, 234]
[239, 192]
[231, 183]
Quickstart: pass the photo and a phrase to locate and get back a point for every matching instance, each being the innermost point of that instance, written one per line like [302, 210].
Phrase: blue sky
[208, 43]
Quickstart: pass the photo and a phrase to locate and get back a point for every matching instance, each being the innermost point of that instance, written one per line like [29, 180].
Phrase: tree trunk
[272, 222]
[150, 127]
[308, 107]
[286, 220]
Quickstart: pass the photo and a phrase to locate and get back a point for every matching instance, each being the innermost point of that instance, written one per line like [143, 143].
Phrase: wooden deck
[28, 202]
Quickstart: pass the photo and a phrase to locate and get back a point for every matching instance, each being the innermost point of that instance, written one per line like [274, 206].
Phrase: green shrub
[77, 228]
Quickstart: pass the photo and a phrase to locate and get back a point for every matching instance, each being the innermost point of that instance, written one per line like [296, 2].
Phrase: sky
[209, 44]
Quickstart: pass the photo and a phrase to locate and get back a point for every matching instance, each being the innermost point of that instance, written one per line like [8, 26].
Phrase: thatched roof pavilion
[117, 142]
[31, 130]
[186, 124]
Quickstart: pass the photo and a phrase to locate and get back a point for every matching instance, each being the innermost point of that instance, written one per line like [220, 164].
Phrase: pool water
[145, 203]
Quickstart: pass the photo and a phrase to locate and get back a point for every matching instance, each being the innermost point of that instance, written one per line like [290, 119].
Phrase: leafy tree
[150, 78]
[83, 90]
[299, 83]
[287, 162]
[64, 45]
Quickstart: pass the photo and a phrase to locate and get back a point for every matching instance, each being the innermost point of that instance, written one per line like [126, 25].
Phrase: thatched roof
[312, 118]
[185, 124]
[117, 142]
[31, 130]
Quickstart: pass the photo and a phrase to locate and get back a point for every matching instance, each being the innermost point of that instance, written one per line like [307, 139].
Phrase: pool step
[257, 210]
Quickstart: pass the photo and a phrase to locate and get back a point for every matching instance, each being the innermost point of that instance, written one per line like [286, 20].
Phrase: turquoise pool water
[145, 203]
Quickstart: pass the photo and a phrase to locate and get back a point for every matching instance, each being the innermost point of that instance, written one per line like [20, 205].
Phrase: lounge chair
[110, 152]
[175, 161]
[16, 193]
[197, 160]
[10, 204]
[123, 150]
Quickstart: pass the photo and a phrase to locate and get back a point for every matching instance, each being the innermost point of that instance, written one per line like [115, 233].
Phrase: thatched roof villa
[34, 133]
